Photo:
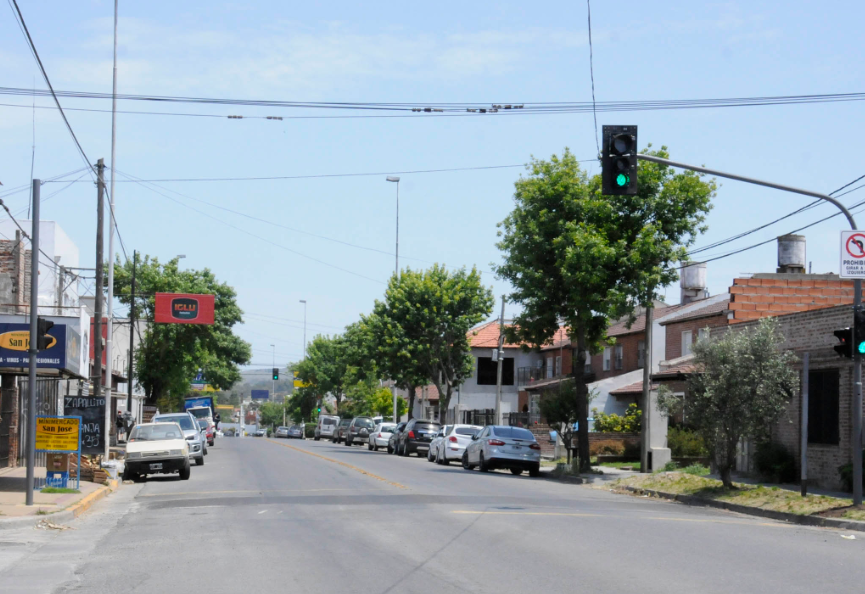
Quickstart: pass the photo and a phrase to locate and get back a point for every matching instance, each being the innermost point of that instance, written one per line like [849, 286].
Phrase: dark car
[358, 430]
[416, 437]
[391, 442]
[339, 432]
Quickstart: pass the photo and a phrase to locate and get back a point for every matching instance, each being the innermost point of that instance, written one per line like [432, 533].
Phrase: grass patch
[41, 512]
[622, 465]
[56, 490]
[770, 498]
[550, 463]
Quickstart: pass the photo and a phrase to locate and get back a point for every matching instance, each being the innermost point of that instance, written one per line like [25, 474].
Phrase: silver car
[380, 435]
[498, 446]
[196, 438]
[452, 444]
[436, 441]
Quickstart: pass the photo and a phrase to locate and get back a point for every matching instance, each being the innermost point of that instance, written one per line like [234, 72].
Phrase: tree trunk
[582, 402]
[411, 394]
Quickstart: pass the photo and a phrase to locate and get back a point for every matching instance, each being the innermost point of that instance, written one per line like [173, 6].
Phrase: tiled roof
[712, 309]
[432, 393]
[560, 339]
[487, 336]
[620, 327]
[674, 371]
[635, 388]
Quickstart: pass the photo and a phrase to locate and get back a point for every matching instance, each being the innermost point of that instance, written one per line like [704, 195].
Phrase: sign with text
[852, 254]
[57, 434]
[260, 394]
[92, 413]
[15, 340]
[178, 308]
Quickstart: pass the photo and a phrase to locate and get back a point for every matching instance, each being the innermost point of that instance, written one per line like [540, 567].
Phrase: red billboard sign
[178, 308]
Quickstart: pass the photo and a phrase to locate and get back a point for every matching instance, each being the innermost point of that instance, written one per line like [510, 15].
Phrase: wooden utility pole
[499, 357]
[97, 313]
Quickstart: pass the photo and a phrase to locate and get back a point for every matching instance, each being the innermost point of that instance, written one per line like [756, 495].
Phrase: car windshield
[364, 423]
[328, 422]
[183, 420]
[155, 432]
[513, 433]
[386, 428]
[470, 431]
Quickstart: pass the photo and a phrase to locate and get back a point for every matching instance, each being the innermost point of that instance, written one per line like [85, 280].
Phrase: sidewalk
[12, 496]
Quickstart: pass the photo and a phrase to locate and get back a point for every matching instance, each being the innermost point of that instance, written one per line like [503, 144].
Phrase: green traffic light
[862, 347]
[622, 180]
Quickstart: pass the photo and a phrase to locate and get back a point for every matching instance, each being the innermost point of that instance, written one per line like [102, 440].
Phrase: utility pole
[109, 335]
[856, 408]
[395, 179]
[131, 335]
[645, 438]
[499, 356]
[32, 348]
[97, 314]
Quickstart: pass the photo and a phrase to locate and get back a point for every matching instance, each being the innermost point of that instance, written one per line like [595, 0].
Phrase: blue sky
[507, 52]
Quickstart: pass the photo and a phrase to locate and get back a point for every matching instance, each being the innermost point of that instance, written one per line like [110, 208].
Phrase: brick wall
[630, 356]
[674, 332]
[812, 331]
[14, 272]
[755, 298]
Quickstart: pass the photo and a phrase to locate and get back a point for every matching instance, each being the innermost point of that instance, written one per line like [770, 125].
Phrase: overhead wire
[592, 75]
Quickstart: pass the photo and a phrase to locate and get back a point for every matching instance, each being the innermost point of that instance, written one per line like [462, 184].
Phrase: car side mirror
[474, 437]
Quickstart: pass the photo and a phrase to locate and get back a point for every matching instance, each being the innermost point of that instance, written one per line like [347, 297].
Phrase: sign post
[59, 435]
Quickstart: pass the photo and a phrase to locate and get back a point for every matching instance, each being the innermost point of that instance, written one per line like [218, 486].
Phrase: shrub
[668, 467]
[775, 462]
[846, 472]
[607, 447]
[696, 469]
[686, 443]
[632, 449]
[630, 422]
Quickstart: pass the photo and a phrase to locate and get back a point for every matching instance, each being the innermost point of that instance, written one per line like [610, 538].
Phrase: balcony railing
[527, 376]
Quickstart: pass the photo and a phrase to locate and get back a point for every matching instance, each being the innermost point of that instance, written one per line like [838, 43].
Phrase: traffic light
[619, 161]
[859, 330]
[43, 339]
[275, 373]
[845, 335]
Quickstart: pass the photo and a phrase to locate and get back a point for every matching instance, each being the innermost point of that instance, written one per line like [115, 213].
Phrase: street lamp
[393, 178]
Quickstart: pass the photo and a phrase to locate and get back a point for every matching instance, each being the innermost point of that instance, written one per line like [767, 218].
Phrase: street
[304, 516]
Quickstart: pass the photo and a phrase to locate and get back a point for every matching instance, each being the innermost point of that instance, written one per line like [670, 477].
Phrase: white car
[452, 443]
[499, 446]
[436, 441]
[156, 448]
[380, 435]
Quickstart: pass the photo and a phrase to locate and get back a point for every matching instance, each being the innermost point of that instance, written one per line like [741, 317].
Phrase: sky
[330, 240]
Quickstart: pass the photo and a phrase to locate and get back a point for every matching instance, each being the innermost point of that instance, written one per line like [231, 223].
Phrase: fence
[47, 403]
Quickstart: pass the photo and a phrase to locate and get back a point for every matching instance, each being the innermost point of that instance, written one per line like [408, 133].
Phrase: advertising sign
[15, 340]
[852, 254]
[178, 308]
[92, 413]
[260, 394]
[57, 434]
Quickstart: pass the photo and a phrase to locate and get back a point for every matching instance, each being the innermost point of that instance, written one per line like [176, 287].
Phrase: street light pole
[393, 178]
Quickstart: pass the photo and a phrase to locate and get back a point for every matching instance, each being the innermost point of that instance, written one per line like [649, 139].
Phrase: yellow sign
[301, 384]
[19, 340]
[57, 434]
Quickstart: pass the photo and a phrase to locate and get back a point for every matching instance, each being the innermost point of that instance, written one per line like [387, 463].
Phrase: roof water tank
[791, 253]
[693, 276]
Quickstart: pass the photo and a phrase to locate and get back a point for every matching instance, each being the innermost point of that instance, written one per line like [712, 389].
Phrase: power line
[592, 74]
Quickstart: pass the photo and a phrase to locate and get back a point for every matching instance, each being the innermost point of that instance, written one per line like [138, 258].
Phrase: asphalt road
[311, 517]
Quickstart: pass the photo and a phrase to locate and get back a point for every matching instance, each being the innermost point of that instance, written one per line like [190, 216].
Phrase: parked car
[325, 426]
[380, 435]
[202, 427]
[394, 437]
[434, 444]
[498, 446]
[416, 437]
[358, 430]
[295, 432]
[453, 443]
[209, 429]
[339, 432]
[156, 448]
[281, 432]
[260, 433]
[191, 431]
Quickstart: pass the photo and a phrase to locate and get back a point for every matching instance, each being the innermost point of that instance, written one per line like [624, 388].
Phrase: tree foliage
[325, 367]
[580, 258]
[630, 422]
[170, 355]
[740, 390]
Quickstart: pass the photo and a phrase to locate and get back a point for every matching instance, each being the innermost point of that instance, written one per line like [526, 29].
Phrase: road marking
[521, 513]
[345, 464]
[264, 511]
[584, 515]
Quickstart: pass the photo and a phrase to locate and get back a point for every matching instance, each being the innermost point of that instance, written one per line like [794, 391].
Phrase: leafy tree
[397, 357]
[271, 413]
[426, 317]
[580, 258]
[630, 422]
[170, 355]
[325, 367]
[742, 385]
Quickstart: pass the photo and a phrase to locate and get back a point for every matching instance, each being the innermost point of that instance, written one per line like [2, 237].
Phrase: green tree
[427, 316]
[271, 413]
[325, 367]
[630, 422]
[742, 385]
[170, 355]
[580, 258]
[396, 355]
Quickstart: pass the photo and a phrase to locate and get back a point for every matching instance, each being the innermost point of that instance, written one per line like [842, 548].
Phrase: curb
[789, 518]
[70, 513]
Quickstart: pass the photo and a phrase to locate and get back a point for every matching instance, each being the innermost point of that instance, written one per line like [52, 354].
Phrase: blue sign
[260, 394]
[58, 480]
[197, 402]
[63, 352]
[199, 378]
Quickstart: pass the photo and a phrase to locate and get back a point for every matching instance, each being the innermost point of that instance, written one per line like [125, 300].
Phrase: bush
[309, 430]
[775, 462]
[630, 422]
[846, 472]
[668, 467]
[607, 447]
[685, 443]
[696, 469]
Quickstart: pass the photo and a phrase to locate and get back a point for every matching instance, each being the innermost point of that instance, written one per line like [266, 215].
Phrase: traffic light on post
[43, 340]
[845, 348]
[275, 373]
[859, 331]
[619, 161]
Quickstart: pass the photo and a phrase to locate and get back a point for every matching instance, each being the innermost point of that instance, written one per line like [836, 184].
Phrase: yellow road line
[345, 464]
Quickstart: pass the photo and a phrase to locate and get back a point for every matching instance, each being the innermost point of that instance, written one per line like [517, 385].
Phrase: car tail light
[379, 434]
[411, 434]
[496, 442]
[534, 446]
[452, 439]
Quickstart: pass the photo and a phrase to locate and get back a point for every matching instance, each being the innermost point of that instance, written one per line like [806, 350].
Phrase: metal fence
[47, 403]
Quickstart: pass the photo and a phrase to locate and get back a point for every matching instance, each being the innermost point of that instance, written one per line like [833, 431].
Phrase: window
[641, 353]
[823, 407]
[607, 351]
[619, 356]
[488, 369]
[687, 342]
[702, 333]
[588, 368]
[558, 369]
[549, 373]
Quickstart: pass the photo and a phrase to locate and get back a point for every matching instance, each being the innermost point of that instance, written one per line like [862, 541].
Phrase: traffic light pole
[856, 441]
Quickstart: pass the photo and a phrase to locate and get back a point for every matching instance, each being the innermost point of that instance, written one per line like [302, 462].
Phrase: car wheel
[128, 475]
[389, 449]
[347, 441]
[210, 443]
[516, 471]
[369, 445]
[205, 451]
[199, 461]
[184, 473]
[429, 457]
[316, 438]
[375, 447]
[535, 471]
[484, 467]
[466, 465]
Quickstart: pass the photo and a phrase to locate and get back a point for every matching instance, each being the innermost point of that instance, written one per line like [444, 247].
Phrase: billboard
[260, 394]
[62, 352]
[181, 308]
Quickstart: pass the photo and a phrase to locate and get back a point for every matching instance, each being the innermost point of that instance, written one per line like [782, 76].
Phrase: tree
[426, 317]
[271, 413]
[325, 367]
[740, 389]
[579, 258]
[170, 355]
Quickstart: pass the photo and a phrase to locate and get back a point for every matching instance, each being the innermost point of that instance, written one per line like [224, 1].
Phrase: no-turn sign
[852, 254]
